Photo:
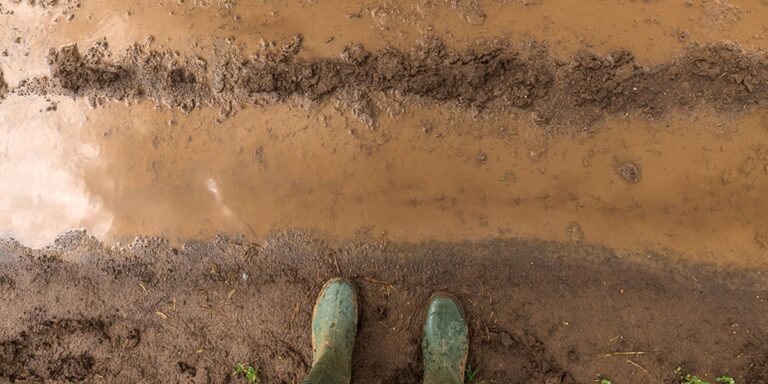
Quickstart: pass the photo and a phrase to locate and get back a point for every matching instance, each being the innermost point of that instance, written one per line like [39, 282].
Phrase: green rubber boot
[445, 343]
[334, 326]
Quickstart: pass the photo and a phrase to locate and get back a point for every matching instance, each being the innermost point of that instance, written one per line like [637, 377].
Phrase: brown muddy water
[121, 172]
[691, 183]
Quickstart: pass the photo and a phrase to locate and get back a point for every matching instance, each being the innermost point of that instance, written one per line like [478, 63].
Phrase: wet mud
[539, 312]
[589, 178]
[562, 94]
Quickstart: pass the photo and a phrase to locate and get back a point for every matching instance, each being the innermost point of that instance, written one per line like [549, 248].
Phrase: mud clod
[142, 74]
[629, 172]
[3, 87]
[481, 158]
[185, 368]
[133, 338]
[574, 232]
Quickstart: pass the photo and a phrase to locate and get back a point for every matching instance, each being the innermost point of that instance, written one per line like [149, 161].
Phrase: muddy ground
[540, 312]
[589, 178]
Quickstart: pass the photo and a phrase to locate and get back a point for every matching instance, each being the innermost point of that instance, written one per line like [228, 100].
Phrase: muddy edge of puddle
[530, 304]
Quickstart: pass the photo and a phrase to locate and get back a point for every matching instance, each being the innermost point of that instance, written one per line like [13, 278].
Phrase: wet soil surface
[579, 91]
[452, 145]
[539, 312]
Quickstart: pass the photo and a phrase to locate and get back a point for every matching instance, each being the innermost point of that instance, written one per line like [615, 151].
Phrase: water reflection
[43, 155]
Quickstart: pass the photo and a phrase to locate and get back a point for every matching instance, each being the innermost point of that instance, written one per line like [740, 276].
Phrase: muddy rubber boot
[445, 342]
[334, 326]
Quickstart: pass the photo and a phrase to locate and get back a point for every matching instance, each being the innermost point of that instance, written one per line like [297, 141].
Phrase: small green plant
[726, 380]
[601, 380]
[471, 374]
[692, 379]
[688, 378]
[250, 373]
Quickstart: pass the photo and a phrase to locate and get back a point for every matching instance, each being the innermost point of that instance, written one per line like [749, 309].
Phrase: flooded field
[625, 143]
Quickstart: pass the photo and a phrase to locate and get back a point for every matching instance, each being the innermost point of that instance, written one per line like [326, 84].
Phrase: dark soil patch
[3, 87]
[485, 75]
[539, 312]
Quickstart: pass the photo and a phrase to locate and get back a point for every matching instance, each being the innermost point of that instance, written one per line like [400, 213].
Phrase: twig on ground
[637, 365]
[630, 353]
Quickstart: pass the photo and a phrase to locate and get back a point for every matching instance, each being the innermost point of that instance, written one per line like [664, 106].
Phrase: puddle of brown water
[122, 171]
[653, 30]
[43, 156]
[428, 173]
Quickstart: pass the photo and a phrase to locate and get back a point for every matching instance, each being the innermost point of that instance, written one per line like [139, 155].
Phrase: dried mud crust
[539, 312]
[485, 75]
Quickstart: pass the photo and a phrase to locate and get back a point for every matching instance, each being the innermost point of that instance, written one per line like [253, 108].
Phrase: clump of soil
[140, 74]
[721, 75]
[48, 3]
[574, 232]
[629, 172]
[484, 75]
[3, 86]
[539, 312]
[473, 77]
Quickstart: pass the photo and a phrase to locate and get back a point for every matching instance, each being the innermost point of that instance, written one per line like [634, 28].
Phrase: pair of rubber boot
[445, 341]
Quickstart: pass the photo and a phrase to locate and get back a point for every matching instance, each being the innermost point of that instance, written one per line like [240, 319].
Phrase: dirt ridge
[485, 75]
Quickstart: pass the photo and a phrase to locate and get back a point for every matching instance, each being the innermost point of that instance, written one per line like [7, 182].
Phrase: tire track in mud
[491, 75]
